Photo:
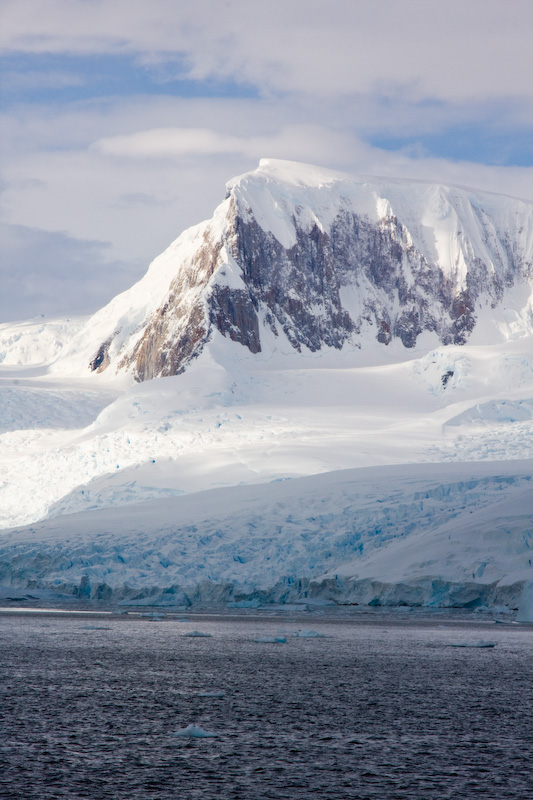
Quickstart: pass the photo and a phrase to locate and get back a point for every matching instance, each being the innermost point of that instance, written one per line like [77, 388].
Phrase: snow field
[222, 424]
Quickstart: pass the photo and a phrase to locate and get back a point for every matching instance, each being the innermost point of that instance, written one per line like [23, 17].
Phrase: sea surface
[378, 706]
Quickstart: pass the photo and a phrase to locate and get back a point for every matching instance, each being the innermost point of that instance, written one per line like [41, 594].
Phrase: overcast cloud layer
[123, 119]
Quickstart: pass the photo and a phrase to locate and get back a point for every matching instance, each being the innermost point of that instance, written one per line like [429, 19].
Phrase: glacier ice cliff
[431, 535]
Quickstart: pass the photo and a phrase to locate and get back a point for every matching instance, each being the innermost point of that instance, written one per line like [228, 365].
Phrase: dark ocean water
[377, 708]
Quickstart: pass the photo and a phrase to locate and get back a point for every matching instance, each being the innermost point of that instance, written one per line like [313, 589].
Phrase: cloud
[138, 200]
[165, 142]
[54, 274]
[302, 142]
[419, 49]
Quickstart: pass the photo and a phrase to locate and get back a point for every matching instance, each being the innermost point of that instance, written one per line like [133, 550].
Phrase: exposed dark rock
[178, 330]
[300, 291]
[446, 377]
[234, 314]
[101, 359]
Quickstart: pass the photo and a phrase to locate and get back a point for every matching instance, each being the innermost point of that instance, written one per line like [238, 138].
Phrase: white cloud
[447, 49]
[301, 142]
[165, 142]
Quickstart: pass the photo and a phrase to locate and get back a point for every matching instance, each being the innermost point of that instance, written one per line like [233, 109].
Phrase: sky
[122, 120]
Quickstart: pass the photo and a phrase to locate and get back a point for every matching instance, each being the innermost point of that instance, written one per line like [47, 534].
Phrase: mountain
[308, 259]
[325, 392]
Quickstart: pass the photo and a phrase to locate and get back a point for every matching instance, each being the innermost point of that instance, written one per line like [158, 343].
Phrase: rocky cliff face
[326, 261]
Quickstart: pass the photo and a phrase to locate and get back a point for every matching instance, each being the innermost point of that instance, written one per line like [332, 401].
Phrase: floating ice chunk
[310, 635]
[211, 694]
[271, 640]
[195, 732]
[198, 634]
[473, 644]
[95, 628]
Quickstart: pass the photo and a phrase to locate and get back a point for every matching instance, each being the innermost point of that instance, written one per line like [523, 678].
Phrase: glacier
[447, 535]
[297, 427]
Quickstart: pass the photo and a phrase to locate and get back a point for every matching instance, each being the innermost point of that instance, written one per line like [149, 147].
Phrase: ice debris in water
[95, 628]
[473, 644]
[309, 635]
[271, 640]
[197, 634]
[195, 732]
[210, 694]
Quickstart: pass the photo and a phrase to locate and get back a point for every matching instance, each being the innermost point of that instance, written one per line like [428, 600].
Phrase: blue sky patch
[50, 78]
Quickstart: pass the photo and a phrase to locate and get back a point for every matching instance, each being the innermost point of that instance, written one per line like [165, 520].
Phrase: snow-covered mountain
[316, 259]
[316, 324]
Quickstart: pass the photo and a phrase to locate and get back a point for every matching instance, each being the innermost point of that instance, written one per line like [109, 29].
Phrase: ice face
[434, 534]
[525, 609]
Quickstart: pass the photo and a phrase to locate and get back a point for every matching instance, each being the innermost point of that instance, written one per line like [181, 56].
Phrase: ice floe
[472, 644]
[271, 640]
[195, 732]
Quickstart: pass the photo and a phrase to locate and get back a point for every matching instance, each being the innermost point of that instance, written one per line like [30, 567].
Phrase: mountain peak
[305, 258]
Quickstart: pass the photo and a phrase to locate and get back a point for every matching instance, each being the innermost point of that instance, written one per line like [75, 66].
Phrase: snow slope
[231, 419]
[194, 485]
[229, 480]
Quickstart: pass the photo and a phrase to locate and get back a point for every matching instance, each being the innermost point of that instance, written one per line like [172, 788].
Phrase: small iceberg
[96, 628]
[210, 694]
[195, 732]
[271, 640]
[197, 634]
[473, 644]
[309, 635]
